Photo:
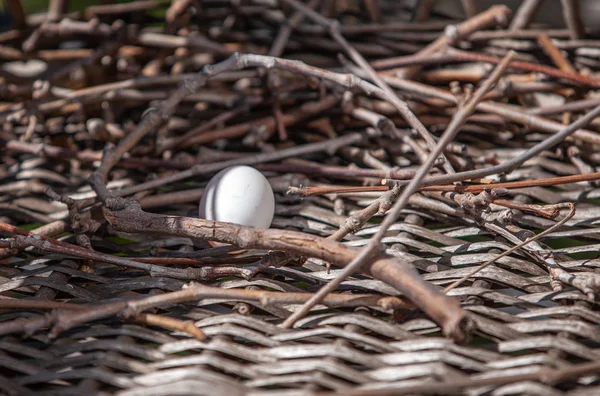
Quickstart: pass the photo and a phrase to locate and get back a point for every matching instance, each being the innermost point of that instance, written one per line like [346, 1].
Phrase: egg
[240, 195]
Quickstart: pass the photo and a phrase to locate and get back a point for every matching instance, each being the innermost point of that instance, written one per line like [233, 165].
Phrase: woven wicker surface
[534, 332]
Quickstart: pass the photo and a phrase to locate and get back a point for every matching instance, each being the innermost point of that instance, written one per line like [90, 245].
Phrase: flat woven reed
[124, 98]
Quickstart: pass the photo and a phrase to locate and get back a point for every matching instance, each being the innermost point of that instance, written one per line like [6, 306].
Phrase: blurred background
[549, 13]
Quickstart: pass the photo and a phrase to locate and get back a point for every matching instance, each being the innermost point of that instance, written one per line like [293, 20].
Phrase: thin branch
[550, 181]
[367, 253]
[470, 7]
[18, 13]
[562, 132]
[473, 188]
[456, 55]
[397, 273]
[238, 62]
[388, 93]
[196, 292]
[572, 17]
[286, 28]
[514, 248]
[524, 14]
[495, 15]
[186, 326]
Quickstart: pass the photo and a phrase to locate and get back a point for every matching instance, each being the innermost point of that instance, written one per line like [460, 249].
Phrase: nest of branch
[436, 187]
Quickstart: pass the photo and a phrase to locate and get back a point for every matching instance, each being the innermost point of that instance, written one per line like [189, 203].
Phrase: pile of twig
[418, 164]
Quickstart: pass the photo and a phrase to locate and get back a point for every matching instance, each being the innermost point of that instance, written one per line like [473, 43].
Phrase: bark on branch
[398, 273]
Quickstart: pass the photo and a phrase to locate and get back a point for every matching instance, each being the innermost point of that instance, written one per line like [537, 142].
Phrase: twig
[155, 118]
[547, 211]
[56, 8]
[198, 291]
[372, 247]
[133, 308]
[355, 222]
[186, 326]
[514, 248]
[473, 188]
[386, 92]
[423, 9]
[470, 7]
[560, 131]
[395, 272]
[551, 181]
[331, 145]
[237, 62]
[286, 28]
[555, 54]
[30, 304]
[495, 15]
[452, 54]
[572, 17]
[310, 191]
[180, 140]
[18, 14]
[524, 14]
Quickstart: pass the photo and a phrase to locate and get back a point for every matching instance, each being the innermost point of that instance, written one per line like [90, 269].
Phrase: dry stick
[308, 168]
[547, 70]
[56, 9]
[554, 53]
[33, 304]
[127, 216]
[572, 16]
[470, 7]
[285, 30]
[366, 254]
[390, 95]
[268, 123]
[474, 188]
[311, 191]
[494, 15]
[563, 64]
[18, 14]
[373, 10]
[219, 119]
[50, 245]
[51, 229]
[548, 211]
[153, 119]
[177, 8]
[534, 121]
[551, 181]
[355, 222]
[186, 326]
[198, 291]
[524, 14]
[331, 145]
[396, 272]
[193, 293]
[514, 248]
[423, 9]
[156, 117]
[510, 165]
[455, 55]
[48, 151]
[241, 61]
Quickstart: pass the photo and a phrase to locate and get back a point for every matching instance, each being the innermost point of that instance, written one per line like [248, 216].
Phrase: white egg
[240, 195]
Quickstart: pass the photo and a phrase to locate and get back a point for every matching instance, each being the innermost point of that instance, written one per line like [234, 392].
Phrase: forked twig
[369, 251]
[514, 248]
